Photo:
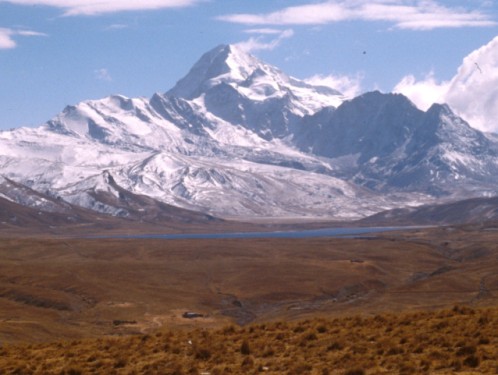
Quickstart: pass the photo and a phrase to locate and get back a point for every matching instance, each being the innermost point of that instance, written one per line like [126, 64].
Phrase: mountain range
[238, 138]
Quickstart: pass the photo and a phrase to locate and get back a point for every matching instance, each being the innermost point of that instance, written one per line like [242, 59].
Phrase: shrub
[120, 363]
[483, 341]
[425, 365]
[456, 365]
[229, 330]
[471, 361]
[244, 348]
[248, 362]
[355, 372]
[395, 351]
[301, 368]
[310, 336]
[177, 371]
[299, 329]
[335, 346]
[203, 354]
[466, 351]
[73, 371]
[280, 336]
[418, 349]
[268, 352]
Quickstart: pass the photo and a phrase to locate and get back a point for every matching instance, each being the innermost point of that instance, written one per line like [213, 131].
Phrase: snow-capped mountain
[242, 90]
[238, 138]
[394, 146]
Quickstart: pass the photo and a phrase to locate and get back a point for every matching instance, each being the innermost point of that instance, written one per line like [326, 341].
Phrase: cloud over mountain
[257, 43]
[347, 85]
[472, 92]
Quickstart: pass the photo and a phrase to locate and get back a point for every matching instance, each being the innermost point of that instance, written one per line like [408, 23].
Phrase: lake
[327, 232]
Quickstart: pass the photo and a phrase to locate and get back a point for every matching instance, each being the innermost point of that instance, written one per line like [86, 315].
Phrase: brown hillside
[457, 341]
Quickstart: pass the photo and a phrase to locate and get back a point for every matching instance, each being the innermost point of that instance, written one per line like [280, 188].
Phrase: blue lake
[328, 232]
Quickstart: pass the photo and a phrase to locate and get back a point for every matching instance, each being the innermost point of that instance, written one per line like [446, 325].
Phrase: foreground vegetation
[457, 340]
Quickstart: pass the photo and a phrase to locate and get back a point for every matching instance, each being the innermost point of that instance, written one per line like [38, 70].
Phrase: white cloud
[96, 7]
[423, 93]
[263, 31]
[6, 40]
[348, 86]
[258, 44]
[472, 93]
[103, 75]
[297, 15]
[403, 14]
[7, 37]
[116, 26]
[29, 33]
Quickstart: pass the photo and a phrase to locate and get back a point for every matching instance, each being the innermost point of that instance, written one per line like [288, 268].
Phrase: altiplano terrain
[74, 288]
[172, 202]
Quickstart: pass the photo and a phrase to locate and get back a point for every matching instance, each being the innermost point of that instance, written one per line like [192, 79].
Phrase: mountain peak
[229, 69]
[452, 128]
[224, 63]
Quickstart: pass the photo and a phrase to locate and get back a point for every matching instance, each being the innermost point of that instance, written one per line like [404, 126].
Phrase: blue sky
[58, 52]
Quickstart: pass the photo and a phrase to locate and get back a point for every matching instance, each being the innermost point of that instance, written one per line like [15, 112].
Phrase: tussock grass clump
[458, 340]
[355, 372]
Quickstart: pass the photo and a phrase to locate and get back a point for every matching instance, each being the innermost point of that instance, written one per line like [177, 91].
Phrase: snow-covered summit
[221, 64]
[253, 79]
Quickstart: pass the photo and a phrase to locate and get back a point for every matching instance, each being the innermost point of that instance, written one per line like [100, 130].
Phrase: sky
[55, 53]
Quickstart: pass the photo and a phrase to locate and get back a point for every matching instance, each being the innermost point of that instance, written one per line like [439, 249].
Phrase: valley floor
[382, 304]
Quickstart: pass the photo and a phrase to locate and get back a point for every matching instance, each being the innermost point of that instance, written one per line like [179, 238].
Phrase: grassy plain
[379, 300]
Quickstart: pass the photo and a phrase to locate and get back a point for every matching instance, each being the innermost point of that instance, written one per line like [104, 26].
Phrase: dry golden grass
[53, 289]
[458, 340]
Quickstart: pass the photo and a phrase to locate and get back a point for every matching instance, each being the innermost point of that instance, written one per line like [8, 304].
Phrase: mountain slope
[238, 138]
[394, 146]
[24, 210]
[474, 210]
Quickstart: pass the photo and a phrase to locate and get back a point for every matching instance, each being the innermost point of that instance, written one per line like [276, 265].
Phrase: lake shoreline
[351, 232]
